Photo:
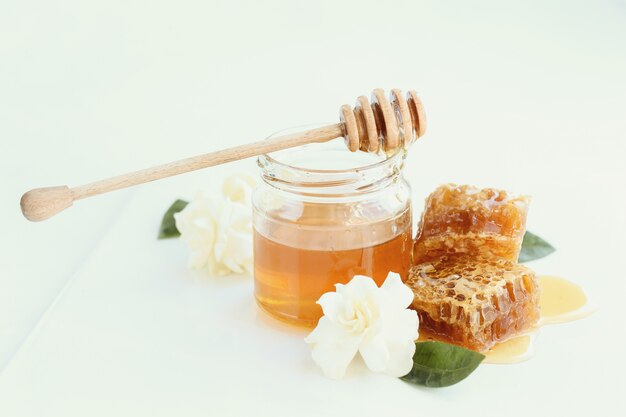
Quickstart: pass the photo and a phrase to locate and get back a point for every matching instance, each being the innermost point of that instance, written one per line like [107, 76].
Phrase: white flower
[218, 228]
[239, 187]
[360, 317]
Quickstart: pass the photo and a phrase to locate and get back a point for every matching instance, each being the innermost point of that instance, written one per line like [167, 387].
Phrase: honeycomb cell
[496, 300]
[462, 219]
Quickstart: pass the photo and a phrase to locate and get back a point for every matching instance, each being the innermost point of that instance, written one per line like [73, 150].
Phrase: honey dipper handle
[42, 203]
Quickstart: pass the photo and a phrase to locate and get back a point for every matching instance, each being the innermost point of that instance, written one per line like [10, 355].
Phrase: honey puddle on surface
[561, 301]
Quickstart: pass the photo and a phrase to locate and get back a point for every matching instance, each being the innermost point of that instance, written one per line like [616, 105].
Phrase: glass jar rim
[392, 158]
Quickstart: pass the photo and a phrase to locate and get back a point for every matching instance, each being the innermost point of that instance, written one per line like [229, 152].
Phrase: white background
[528, 96]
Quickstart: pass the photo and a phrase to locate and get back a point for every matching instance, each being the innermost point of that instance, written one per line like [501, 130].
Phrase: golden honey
[561, 300]
[289, 280]
[515, 350]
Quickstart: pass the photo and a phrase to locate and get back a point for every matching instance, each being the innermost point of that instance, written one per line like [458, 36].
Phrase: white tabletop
[528, 97]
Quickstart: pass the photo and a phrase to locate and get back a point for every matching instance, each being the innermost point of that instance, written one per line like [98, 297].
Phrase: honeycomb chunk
[461, 219]
[475, 301]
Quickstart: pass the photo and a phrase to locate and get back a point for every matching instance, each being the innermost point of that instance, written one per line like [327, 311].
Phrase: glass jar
[323, 214]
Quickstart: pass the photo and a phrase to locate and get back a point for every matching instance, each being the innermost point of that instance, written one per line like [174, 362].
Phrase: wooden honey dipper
[383, 125]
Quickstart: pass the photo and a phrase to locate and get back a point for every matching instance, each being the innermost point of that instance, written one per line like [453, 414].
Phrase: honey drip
[561, 301]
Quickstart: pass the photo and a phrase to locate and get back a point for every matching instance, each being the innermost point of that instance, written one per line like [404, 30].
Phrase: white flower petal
[400, 330]
[401, 325]
[400, 357]
[218, 268]
[332, 349]
[375, 353]
[236, 260]
[359, 287]
[401, 295]
[331, 303]
[239, 187]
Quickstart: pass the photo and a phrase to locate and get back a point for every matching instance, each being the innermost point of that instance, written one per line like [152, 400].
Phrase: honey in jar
[321, 216]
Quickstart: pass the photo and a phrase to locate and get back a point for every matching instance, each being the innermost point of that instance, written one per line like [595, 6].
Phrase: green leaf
[438, 364]
[168, 224]
[534, 247]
